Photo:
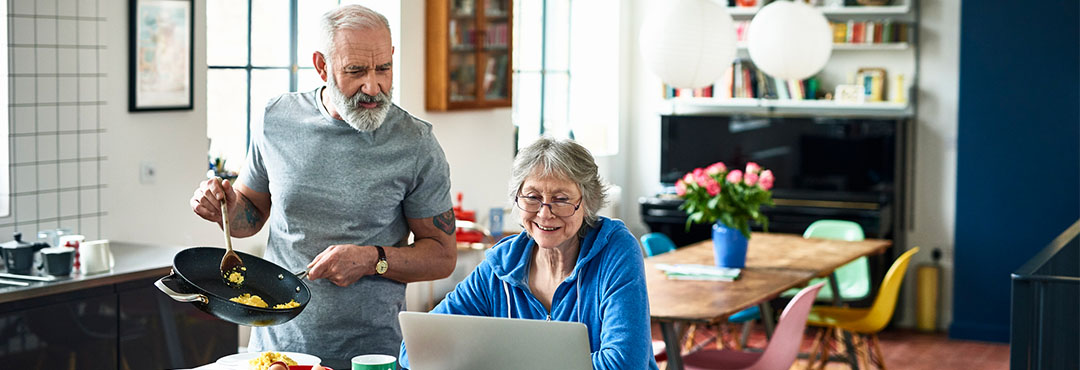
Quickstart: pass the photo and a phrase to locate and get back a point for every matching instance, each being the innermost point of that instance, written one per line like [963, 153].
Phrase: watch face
[381, 266]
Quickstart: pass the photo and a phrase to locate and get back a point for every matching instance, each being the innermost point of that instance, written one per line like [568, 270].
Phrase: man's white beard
[360, 118]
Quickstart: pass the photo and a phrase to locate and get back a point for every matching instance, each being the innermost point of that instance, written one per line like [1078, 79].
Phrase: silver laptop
[451, 342]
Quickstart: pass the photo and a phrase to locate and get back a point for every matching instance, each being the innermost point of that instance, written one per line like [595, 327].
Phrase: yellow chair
[863, 322]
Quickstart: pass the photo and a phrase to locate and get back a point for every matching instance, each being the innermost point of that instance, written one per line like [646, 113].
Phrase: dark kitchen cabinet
[125, 325]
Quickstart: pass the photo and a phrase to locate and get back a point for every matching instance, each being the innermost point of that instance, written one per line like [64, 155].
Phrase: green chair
[852, 278]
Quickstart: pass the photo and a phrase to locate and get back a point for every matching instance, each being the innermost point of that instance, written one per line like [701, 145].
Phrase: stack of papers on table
[699, 272]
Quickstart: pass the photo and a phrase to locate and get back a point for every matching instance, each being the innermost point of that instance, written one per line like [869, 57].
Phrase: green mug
[374, 362]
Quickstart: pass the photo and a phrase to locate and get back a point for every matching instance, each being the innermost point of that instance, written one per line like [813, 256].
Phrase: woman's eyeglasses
[558, 208]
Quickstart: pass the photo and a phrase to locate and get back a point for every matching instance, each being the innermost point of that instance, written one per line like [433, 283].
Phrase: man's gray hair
[352, 17]
[565, 159]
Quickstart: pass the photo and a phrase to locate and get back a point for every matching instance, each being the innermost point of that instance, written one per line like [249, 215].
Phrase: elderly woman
[569, 265]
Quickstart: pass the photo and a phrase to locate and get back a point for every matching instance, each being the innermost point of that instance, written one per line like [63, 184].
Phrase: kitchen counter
[111, 320]
[133, 261]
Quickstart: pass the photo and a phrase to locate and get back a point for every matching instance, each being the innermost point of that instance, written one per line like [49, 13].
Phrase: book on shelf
[869, 32]
[744, 80]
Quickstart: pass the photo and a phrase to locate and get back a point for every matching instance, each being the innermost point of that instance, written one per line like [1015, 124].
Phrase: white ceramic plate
[239, 361]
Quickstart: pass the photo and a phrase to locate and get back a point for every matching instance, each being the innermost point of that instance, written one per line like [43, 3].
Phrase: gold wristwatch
[381, 266]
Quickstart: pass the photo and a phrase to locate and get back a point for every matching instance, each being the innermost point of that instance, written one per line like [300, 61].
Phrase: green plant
[732, 197]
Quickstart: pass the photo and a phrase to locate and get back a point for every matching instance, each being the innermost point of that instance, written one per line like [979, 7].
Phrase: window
[566, 71]
[259, 49]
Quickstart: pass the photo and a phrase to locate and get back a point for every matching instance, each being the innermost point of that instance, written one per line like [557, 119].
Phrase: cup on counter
[96, 257]
[374, 362]
[57, 261]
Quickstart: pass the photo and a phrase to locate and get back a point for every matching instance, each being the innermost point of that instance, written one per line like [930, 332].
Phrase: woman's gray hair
[352, 17]
[566, 159]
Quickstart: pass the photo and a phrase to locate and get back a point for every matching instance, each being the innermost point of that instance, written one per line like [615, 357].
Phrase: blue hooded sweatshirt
[605, 291]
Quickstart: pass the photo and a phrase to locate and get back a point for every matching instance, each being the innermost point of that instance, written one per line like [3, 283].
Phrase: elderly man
[341, 175]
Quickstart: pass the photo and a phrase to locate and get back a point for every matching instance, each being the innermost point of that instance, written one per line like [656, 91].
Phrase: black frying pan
[196, 276]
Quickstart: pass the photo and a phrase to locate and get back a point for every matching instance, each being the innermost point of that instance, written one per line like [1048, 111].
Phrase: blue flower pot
[729, 246]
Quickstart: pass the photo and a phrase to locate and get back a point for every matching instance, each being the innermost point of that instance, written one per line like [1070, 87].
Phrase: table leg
[671, 345]
[767, 318]
[836, 299]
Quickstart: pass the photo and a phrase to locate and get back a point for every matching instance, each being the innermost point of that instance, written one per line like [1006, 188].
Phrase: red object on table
[462, 235]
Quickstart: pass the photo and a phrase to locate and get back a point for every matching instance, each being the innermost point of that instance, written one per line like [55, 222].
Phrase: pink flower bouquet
[733, 198]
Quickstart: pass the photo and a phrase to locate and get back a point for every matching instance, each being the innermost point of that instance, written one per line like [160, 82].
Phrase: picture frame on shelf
[160, 45]
[849, 94]
[871, 82]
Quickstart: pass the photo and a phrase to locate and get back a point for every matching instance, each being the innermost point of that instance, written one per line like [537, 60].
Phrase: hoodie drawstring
[508, 305]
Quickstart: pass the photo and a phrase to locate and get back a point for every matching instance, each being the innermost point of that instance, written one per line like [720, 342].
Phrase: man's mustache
[361, 97]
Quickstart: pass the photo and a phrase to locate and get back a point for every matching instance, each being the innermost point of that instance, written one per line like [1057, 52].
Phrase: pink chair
[781, 351]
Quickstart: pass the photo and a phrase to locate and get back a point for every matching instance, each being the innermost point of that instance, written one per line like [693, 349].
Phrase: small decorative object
[872, 83]
[690, 43]
[789, 40]
[849, 94]
[160, 47]
[729, 200]
[748, 3]
[899, 94]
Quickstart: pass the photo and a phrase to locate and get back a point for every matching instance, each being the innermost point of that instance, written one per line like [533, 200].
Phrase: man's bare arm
[433, 255]
[250, 213]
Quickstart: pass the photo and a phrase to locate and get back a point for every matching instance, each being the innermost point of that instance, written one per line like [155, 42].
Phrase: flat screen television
[812, 158]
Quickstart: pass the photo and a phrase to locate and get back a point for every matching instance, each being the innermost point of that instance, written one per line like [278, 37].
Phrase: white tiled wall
[55, 128]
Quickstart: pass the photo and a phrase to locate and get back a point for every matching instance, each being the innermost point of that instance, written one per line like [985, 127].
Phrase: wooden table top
[774, 263]
[793, 252]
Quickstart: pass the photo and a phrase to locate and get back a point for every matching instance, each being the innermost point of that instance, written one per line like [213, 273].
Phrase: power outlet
[147, 173]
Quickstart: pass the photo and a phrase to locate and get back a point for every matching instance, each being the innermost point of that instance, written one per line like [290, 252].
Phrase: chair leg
[862, 350]
[689, 342]
[815, 349]
[853, 357]
[745, 336]
[880, 358]
[826, 344]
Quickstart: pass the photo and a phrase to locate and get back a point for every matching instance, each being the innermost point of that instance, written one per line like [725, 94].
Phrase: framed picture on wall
[160, 38]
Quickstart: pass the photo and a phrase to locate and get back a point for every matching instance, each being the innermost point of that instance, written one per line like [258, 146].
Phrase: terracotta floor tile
[904, 350]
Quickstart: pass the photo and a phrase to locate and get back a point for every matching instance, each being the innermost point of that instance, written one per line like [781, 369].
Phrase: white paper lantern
[690, 43]
[789, 40]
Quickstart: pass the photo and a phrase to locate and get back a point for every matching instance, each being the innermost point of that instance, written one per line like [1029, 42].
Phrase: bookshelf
[469, 54]
[889, 44]
[774, 107]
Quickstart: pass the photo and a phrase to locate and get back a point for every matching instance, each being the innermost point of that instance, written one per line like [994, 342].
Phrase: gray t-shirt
[331, 184]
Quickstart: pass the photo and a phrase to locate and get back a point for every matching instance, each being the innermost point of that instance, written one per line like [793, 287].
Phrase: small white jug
[96, 257]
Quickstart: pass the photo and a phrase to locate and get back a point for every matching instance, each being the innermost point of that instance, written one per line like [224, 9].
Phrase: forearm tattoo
[445, 222]
[249, 215]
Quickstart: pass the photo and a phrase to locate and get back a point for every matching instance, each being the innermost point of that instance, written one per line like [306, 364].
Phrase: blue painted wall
[1018, 153]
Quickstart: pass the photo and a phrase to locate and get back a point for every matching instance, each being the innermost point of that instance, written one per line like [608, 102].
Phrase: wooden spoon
[232, 267]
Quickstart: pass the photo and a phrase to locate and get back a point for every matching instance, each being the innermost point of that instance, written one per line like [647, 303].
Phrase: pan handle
[179, 297]
[301, 274]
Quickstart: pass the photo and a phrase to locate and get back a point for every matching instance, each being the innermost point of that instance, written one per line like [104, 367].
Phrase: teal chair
[853, 278]
[658, 243]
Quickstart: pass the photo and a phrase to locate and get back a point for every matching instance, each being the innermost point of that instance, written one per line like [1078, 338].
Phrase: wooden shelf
[866, 10]
[707, 106]
[856, 47]
[737, 12]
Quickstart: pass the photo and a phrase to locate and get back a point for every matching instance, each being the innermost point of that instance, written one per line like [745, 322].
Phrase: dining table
[774, 263]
